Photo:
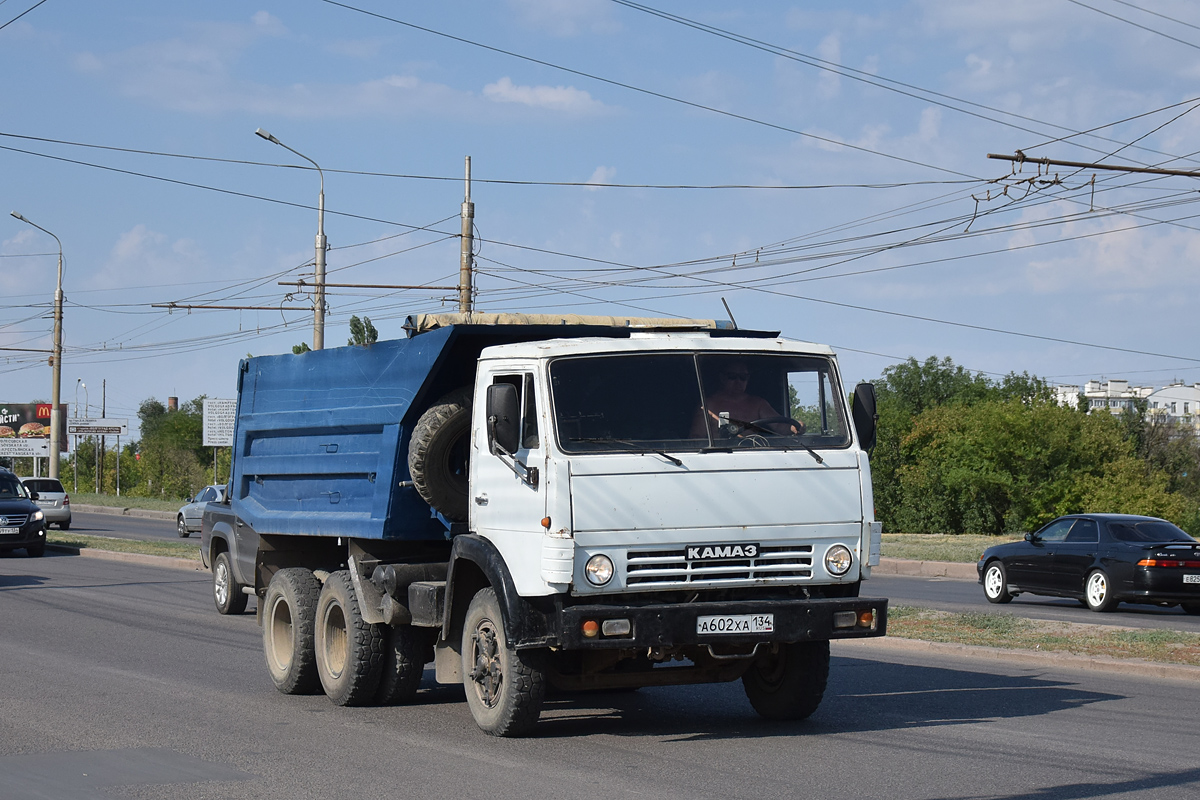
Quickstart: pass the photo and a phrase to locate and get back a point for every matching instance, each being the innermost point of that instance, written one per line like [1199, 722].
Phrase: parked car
[22, 523]
[53, 499]
[188, 519]
[1100, 560]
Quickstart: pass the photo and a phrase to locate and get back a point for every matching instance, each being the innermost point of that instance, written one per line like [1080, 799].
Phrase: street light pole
[56, 371]
[319, 272]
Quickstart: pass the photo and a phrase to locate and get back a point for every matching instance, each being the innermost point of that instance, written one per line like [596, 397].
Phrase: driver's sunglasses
[736, 376]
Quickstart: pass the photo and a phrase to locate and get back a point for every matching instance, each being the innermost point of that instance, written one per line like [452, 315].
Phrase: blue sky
[872, 189]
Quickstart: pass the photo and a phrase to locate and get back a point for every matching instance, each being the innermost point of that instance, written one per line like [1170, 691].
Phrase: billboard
[219, 418]
[25, 429]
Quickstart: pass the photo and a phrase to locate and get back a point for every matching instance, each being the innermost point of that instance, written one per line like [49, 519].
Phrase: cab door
[507, 495]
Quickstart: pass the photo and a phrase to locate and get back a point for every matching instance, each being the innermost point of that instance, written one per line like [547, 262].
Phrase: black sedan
[1100, 560]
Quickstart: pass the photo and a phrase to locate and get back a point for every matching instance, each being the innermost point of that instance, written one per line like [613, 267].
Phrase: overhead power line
[494, 181]
[648, 92]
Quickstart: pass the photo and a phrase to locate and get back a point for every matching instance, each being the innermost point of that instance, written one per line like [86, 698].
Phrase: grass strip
[1000, 629]
[962, 548]
[149, 548]
[125, 501]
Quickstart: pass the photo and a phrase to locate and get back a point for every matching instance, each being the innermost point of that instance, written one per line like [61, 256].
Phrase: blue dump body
[321, 442]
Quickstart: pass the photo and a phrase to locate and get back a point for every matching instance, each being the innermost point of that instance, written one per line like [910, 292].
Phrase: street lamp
[319, 277]
[56, 380]
[79, 382]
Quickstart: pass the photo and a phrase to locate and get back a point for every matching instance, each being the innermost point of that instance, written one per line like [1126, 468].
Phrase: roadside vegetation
[1016, 633]
[963, 453]
[180, 549]
[122, 501]
[962, 548]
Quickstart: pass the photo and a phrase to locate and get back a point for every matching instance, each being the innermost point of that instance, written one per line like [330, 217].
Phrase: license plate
[736, 623]
[9, 531]
[1191, 578]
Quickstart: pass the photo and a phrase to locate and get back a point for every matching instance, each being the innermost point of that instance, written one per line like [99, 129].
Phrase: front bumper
[675, 624]
[32, 533]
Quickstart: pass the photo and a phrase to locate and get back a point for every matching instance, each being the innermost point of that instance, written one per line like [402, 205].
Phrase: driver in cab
[742, 407]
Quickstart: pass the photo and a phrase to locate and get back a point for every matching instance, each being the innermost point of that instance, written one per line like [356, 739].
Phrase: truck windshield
[696, 401]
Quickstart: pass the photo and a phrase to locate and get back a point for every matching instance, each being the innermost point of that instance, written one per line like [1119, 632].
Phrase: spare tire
[439, 454]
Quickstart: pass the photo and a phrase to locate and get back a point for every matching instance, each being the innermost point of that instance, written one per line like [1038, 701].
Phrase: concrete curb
[926, 569]
[125, 512]
[1034, 658]
[168, 562]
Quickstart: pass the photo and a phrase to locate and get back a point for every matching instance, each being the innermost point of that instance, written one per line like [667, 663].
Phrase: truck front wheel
[505, 687]
[788, 684]
[290, 606]
[227, 592]
[349, 649]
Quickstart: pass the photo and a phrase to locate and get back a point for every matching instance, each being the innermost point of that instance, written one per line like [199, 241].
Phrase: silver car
[190, 516]
[52, 499]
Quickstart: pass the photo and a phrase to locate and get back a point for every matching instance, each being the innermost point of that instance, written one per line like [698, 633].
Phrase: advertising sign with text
[25, 429]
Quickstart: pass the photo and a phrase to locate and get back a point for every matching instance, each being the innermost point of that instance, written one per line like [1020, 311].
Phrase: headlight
[838, 560]
[599, 570]
[38, 516]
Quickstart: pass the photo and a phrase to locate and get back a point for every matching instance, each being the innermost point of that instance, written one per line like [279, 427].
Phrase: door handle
[481, 499]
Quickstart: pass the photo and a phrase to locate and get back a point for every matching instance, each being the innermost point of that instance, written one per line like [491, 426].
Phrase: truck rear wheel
[349, 650]
[505, 687]
[289, 609]
[405, 653]
[438, 455]
[788, 684]
[227, 592]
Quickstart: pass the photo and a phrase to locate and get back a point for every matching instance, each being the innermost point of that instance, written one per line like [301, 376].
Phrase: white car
[190, 516]
[52, 499]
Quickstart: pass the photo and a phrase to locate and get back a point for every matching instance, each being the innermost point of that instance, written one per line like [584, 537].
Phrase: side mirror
[503, 418]
[865, 416]
[33, 495]
[1029, 537]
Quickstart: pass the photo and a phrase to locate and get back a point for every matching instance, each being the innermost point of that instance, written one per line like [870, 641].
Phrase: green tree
[362, 332]
[303, 347]
[1008, 465]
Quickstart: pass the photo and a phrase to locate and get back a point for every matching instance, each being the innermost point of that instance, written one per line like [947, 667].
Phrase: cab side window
[523, 383]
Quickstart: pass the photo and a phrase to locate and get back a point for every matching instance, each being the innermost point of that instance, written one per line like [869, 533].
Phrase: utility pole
[321, 247]
[56, 359]
[465, 262]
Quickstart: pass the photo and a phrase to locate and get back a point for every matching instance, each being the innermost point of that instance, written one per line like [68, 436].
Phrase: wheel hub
[487, 674]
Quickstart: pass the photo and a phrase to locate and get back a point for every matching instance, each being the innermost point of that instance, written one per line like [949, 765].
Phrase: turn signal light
[591, 629]
[1161, 562]
[546, 523]
[866, 619]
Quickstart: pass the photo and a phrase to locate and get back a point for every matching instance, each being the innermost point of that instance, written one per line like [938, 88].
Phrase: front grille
[662, 568]
[13, 520]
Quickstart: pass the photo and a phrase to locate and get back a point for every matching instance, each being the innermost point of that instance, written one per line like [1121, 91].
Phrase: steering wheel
[795, 423]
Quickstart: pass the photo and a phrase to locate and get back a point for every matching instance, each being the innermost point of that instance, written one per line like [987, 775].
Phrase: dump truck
[532, 502]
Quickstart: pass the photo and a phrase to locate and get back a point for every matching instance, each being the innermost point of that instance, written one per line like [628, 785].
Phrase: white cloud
[568, 17]
[602, 175]
[141, 252]
[557, 98]
[828, 83]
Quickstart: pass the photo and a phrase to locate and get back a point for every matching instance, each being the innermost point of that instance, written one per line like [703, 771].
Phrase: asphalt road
[962, 596]
[121, 681]
[125, 527]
